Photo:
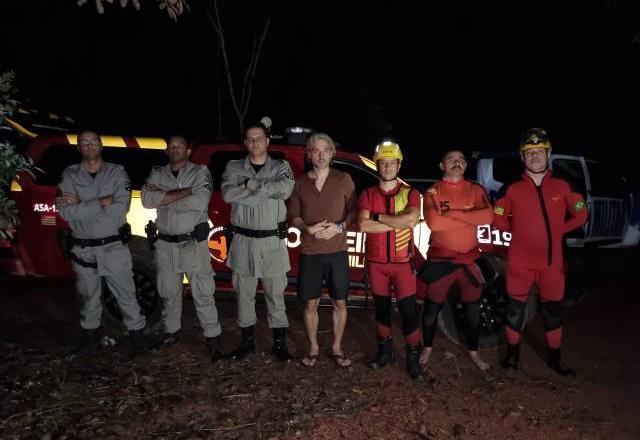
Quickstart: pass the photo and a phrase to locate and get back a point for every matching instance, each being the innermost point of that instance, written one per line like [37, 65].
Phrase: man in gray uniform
[93, 197]
[180, 191]
[257, 187]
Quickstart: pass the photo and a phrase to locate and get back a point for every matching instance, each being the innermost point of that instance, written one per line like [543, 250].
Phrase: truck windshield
[137, 161]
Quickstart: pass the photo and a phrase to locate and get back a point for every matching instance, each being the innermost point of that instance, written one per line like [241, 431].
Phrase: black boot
[513, 357]
[554, 361]
[385, 353]
[136, 342]
[280, 344]
[89, 343]
[247, 346]
[168, 340]
[413, 363]
[214, 345]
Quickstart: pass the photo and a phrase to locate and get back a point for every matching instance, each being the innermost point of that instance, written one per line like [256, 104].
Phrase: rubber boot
[136, 342]
[247, 346]
[513, 357]
[385, 354]
[214, 345]
[413, 363]
[280, 344]
[554, 361]
[89, 343]
[168, 340]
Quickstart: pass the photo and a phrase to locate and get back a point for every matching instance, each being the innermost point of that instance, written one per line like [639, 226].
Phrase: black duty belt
[81, 262]
[176, 238]
[92, 242]
[200, 233]
[254, 233]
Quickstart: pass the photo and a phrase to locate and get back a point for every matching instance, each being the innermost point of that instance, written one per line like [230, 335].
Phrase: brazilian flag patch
[579, 205]
[499, 210]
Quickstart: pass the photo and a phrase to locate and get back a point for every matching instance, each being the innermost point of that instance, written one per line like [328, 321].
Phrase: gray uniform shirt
[258, 206]
[87, 218]
[181, 216]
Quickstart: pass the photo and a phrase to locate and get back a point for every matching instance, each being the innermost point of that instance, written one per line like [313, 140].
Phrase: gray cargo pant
[195, 260]
[115, 265]
[245, 287]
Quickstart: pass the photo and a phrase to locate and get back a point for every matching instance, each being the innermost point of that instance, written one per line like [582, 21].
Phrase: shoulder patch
[288, 172]
[580, 205]
[498, 210]
[208, 180]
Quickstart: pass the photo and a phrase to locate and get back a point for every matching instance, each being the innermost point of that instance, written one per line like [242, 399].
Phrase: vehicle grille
[607, 218]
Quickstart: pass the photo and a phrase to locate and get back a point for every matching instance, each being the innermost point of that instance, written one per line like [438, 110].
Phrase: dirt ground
[181, 395]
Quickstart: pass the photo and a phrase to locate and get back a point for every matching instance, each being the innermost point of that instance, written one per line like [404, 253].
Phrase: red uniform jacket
[393, 246]
[466, 206]
[538, 217]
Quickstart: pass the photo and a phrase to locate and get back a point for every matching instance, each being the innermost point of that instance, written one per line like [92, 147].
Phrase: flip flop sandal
[311, 360]
[340, 359]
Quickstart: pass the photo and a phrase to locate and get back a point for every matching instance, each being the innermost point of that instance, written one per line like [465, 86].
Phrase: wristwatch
[339, 227]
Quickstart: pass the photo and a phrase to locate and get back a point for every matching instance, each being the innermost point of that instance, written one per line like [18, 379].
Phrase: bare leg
[476, 359]
[311, 326]
[339, 324]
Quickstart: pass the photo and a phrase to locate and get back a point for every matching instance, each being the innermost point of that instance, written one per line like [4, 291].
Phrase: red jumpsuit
[538, 217]
[389, 257]
[453, 211]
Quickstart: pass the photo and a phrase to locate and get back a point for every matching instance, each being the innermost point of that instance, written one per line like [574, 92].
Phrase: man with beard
[454, 207]
[538, 210]
[256, 187]
[322, 205]
[94, 197]
[388, 213]
[180, 192]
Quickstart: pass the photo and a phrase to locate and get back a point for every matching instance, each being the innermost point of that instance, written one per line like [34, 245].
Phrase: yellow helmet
[534, 138]
[387, 150]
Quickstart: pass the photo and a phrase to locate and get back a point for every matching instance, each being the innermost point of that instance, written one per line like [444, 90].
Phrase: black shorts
[332, 268]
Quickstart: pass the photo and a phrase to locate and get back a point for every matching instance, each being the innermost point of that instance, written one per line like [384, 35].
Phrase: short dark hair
[256, 125]
[186, 140]
[444, 155]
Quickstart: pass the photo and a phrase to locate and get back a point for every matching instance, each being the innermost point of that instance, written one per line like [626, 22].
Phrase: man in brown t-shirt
[322, 205]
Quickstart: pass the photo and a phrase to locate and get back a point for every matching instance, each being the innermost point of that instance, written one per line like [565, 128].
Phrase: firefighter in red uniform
[388, 213]
[453, 209]
[538, 210]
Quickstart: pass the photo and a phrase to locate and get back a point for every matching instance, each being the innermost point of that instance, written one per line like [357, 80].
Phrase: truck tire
[493, 306]
[144, 277]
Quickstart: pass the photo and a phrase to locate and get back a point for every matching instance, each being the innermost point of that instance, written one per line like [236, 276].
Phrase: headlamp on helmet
[387, 150]
[534, 138]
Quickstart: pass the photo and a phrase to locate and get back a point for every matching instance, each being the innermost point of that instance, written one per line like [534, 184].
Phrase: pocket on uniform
[275, 261]
[113, 258]
[85, 192]
[164, 256]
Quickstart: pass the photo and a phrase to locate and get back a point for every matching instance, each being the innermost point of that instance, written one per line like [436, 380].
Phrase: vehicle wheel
[493, 306]
[144, 278]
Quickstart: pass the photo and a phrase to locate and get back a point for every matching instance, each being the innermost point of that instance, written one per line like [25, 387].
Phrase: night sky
[471, 75]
